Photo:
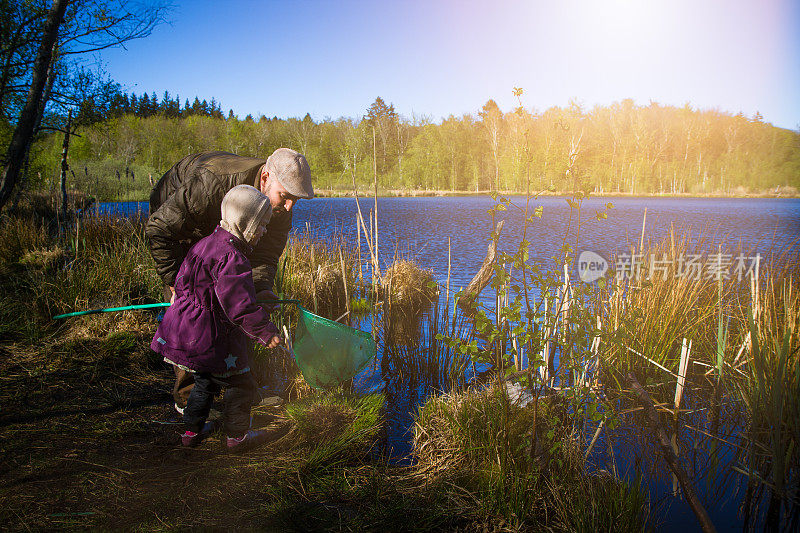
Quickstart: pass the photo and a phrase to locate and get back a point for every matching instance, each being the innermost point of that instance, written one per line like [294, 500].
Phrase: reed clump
[334, 427]
[320, 273]
[408, 288]
[19, 236]
[475, 429]
[770, 391]
[669, 301]
[417, 347]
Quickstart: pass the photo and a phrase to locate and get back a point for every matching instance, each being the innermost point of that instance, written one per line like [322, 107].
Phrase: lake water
[421, 228]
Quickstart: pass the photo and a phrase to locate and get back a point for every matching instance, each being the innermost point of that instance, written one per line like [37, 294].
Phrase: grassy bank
[516, 400]
[89, 438]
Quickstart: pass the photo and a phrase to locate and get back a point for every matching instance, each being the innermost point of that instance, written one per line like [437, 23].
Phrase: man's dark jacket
[185, 207]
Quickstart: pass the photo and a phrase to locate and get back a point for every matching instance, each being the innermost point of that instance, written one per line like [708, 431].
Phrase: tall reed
[770, 391]
[312, 271]
[416, 343]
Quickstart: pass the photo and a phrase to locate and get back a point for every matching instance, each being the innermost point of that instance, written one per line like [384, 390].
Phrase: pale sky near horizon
[435, 58]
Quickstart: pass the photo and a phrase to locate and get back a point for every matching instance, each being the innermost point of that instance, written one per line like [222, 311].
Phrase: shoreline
[398, 193]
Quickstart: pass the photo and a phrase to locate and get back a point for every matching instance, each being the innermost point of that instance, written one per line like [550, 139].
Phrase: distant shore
[405, 193]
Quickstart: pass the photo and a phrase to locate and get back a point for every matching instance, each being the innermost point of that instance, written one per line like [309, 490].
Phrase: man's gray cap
[291, 170]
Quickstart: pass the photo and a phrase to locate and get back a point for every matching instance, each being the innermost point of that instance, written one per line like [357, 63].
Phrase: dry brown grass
[101, 325]
[408, 288]
[314, 274]
[45, 259]
[19, 236]
[476, 429]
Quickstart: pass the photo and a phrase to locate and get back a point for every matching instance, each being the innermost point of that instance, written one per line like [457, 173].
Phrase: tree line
[621, 148]
[119, 103]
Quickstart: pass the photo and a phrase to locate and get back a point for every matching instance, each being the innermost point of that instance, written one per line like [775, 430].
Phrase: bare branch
[53, 128]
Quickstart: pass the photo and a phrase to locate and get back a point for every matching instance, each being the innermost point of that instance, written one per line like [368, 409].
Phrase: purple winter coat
[209, 325]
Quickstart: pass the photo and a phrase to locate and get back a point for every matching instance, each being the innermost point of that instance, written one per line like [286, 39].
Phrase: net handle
[152, 306]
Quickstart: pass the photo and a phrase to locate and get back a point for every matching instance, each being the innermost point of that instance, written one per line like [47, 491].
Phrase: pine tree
[383, 118]
[166, 106]
[154, 107]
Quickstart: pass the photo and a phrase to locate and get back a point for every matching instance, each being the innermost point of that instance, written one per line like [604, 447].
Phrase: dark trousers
[184, 381]
[239, 392]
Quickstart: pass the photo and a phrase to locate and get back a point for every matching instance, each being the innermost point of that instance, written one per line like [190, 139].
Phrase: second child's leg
[199, 403]
[239, 392]
[184, 382]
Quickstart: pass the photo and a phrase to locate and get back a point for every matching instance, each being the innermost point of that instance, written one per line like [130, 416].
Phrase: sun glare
[622, 23]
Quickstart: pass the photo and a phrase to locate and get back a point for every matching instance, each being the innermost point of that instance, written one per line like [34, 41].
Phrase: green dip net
[329, 353]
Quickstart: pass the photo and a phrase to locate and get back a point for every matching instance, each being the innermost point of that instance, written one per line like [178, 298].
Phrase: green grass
[335, 427]
[519, 465]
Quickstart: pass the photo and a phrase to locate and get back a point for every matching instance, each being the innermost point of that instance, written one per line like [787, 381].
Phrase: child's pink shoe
[246, 441]
[190, 439]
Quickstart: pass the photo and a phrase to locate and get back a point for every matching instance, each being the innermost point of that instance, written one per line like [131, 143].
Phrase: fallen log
[482, 278]
[669, 455]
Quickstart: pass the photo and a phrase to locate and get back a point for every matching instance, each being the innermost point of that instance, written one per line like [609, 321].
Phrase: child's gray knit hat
[243, 209]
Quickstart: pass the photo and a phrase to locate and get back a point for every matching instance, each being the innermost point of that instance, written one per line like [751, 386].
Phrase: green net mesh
[329, 353]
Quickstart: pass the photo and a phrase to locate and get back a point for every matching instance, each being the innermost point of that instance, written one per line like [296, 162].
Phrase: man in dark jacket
[185, 207]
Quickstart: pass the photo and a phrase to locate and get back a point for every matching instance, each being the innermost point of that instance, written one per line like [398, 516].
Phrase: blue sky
[434, 58]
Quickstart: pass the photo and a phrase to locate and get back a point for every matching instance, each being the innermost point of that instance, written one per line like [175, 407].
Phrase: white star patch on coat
[231, 360]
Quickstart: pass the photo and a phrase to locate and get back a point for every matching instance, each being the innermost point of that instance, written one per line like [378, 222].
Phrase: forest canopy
[621, 148]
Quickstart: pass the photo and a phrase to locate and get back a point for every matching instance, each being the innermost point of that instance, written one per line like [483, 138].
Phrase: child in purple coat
[210, 327]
